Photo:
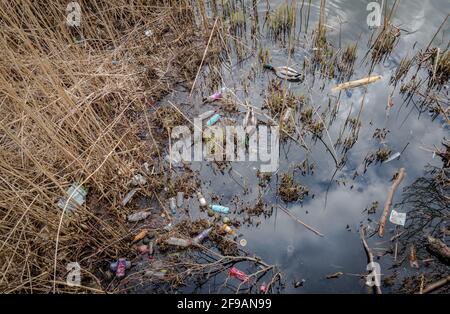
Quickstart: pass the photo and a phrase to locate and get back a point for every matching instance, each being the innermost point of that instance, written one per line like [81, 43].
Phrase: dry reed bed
[68, 113]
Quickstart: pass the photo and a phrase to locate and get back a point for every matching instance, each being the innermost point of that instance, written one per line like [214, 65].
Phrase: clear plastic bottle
[178, 242]
[173, 205]
[180, 199]
[202, 235]
[138, 216]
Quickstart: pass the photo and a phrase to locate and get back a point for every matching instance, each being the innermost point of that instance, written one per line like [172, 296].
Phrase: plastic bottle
[286, 115]
[213, 120]
[180, 199]
[138, 216]
[202, 235]
[220, 209]
[178, 242]
[201, 200]
[173, 205]
[227, 229]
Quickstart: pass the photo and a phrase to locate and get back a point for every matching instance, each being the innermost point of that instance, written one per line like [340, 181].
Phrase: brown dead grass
[67, 113]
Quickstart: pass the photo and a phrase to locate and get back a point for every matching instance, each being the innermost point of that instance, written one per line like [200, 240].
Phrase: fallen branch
[369, 254]
[439, 249]
[299, 221]
[356, 83]
[388, 203]
[436, 285]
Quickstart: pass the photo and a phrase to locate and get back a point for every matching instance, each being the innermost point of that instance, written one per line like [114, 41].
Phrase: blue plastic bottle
[220, 209]
[213, 119]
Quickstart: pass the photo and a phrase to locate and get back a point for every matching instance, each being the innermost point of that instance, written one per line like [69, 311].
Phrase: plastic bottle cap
[243, 242]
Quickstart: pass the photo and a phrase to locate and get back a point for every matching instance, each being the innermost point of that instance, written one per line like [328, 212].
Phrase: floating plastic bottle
[391, 158]
[236, 273]
[286, 115]
[203, 235]
[227, 229]
[173, 205]
[180, 199]
[138, 216]
[220, 209]
[201, 200]
[178, 242]
[213, 120]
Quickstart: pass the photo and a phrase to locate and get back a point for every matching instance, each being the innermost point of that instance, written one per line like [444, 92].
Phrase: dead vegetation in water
[346, 62]
[384, 43]
[281, 21]
[291, 191]
[379, 156]
[402, 70]
[278, 98]
[437, 64]
[324, 58]
[315, 126]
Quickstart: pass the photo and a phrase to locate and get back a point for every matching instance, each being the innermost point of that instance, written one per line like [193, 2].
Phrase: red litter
[234, 272]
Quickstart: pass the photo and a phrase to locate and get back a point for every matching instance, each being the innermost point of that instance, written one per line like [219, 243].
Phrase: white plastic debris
[76, 195]
[180, 199]
[138, 179]
[148, 33]
[397, 218]
[129, 196]
[394, 156]
[243, 242]
[138, 216]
